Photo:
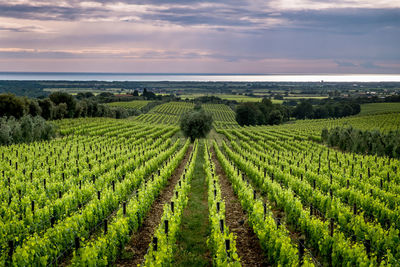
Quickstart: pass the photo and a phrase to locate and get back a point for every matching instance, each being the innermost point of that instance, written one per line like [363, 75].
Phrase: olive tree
[196, 124]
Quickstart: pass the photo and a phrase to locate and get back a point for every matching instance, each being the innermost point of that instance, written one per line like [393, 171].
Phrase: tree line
[254, 113]
[331, 109]
[23, 119]
[264, 112]
[58, 105]
[363, 142]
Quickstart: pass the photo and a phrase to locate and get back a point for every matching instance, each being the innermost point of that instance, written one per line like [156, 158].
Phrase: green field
[136, 104]
[377, 108]
[238, 98]
[304, 97]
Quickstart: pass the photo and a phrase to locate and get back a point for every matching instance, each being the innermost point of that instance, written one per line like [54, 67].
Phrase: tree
[5, 131]
[275, 117]
[321, 112]
[60, 111]
[34, 108]
[135, 93]
[61, 97]
[356, 108]
[84, 95]
[303, 110]
[267, 102]
[120, 113]
[81, 109]
[247, 114]
[11, 105]
[196, 124]
[27, 128]
[347, 110]
[47, 107]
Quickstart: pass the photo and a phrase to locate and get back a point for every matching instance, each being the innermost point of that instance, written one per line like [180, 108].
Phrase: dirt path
[136, 248]
[247, 243]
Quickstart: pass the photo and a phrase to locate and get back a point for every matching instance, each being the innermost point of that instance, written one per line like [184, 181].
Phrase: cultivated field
[377, 108]
[134, 191]
[136, 104]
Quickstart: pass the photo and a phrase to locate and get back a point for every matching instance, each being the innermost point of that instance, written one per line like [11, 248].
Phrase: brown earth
[137, 247]
[247, 243]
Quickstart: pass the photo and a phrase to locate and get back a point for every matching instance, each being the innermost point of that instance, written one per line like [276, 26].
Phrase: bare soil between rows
[134, 252]
[247, 243]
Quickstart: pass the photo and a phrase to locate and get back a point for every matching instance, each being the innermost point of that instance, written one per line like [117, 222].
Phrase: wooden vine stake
[301, 251]
[11, 246]
[228, 247]
[77, 243]
[155, 241]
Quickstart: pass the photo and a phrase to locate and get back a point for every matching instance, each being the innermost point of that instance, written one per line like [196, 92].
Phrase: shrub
[27, 129]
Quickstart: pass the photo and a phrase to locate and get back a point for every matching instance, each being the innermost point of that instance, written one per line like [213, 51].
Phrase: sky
[187, 36]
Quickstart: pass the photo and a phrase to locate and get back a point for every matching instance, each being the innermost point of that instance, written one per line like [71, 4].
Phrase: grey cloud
[87, 55]
[181, 13]
[49, 12]
[35, 54]
[20, 29]
[221, 15]
[371, 65]
[345, 21]
[345, 64]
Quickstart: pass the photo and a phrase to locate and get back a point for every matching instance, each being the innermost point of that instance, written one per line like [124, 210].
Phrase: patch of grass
[276, 101]
[192, 237]
[299, 97]
[238, 98]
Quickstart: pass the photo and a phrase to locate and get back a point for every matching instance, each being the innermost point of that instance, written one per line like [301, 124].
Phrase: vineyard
[223, 116]
[136, 104]
[378, 108]
[168, 113]
[110, 192]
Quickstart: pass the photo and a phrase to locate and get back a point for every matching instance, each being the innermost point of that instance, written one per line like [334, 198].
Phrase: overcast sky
[228, 36]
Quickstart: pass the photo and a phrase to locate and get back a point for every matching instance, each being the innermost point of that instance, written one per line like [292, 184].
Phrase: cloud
[242, 16]
[328, 4]
[345, 64]
[19, 29]
[343, 34]
[371, 65]
[49, 11]
[345, 21]
[104, 53]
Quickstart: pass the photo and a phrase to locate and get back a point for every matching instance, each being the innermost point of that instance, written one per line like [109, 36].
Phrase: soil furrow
[247, 243]
[134, 252]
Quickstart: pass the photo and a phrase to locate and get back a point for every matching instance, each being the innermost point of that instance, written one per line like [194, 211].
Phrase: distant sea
[200, 77]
